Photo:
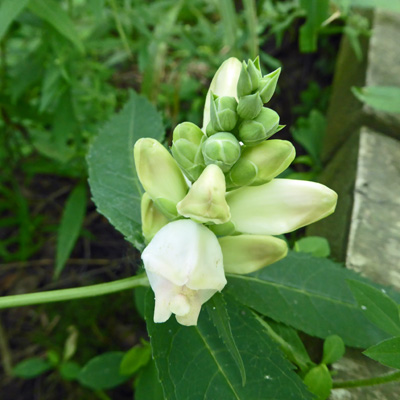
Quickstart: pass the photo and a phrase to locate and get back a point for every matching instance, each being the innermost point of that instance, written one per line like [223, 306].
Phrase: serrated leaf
[378, 307]
[135, 358]
[9, 10]
[218, 313]
[384, 98]
[53, 14]
[147, 384]
[333, 349]
[310, 294]
[386, 352]
[112, 177]
[70, 226]
[31, 367]
[102, 372]
[203, 368]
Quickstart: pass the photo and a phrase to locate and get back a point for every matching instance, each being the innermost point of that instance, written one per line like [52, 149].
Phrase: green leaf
[70, 226]
[310, 294]
[309, 132]
[9, 10]
[377, 306]
[102, 372]
[147, 384]
[315, 245]
[52, 13]
[333, 349]
[135, 358]
[384, 98]
[319, 381]
[289, 342]
[112, 177]
[31, 367]
[218, 313]
[70, 370]
[386, 352]
[317, 13]
[204, 369]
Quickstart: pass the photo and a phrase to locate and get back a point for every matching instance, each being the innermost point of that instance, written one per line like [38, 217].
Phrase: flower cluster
[215, 205]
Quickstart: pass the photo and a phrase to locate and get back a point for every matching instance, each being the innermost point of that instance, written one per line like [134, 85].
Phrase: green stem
[72, 294]
[377, 380]
[120, 28]
[250, 12]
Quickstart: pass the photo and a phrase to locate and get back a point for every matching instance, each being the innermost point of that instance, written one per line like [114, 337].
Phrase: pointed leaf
[52, 13]
[386, 352]
[218, 313]
[9, 10]
[378, 307]
[203, 368]
[384, 98]
[310, 294]
[112, 177]
[31, 367]
[70, 226]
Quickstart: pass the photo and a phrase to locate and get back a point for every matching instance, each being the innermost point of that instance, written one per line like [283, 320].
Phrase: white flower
[280, 206]
[185, 268]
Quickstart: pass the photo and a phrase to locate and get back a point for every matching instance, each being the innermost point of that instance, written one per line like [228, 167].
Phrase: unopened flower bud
[244, 254]
[250, 106]
[261, 163]
[222, 149]
[205, 201]
[254, 71]
[268, 85]
[252, 132]
[159, 175]
[223, 113]
[152, 219]
[186, 149]
[244, 85]
[249, 77]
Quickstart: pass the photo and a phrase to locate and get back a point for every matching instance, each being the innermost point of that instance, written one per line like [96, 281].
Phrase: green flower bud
[252, 132]
[250, 106]
[222, 149]
[228, 228]
[223, 113]
[210, 130]
[152, 219]
[159, 175]
[186, 149]
[254, 71]
[261, 163]
[267, 85]
[244, 254]
[205, 201]
[249, 78]
[244, 86]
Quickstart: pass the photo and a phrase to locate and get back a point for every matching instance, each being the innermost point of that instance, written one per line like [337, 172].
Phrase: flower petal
[186, 253]
[224, 83]
[279, 206]
[205, 201]
[244, 254]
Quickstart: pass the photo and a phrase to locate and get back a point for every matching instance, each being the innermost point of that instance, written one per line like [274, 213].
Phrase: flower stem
[377, 380]
[72, 294]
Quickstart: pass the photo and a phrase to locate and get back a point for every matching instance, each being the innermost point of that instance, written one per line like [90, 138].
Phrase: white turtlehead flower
[185, 269]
